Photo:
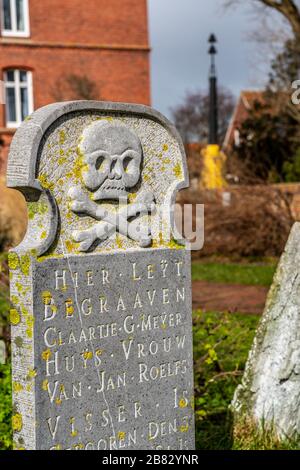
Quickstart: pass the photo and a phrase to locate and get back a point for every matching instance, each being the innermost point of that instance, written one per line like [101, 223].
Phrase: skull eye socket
[101, 163]
[129, 164]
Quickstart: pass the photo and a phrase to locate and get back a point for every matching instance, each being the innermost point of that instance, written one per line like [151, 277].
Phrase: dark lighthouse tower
[213, 158]
[213, 93]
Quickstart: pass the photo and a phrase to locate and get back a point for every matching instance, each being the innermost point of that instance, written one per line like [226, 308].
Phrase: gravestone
[101, 301]
[2, 352]
[268, 397]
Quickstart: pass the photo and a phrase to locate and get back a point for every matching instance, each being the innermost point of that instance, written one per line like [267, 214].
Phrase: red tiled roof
[245, 103]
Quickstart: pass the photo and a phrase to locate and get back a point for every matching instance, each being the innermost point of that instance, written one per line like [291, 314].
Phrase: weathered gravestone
[101, 317]
[2, 352]
[269, 397]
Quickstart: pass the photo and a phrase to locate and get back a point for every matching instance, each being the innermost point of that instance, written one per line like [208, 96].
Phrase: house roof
[249, 97]
[244, 104]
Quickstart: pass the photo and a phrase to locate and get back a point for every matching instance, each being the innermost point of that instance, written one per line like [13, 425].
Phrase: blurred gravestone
[268, 398]
[101, 317]
[2, 352]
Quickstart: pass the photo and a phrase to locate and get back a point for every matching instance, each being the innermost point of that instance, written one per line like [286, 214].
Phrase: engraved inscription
[113, 357]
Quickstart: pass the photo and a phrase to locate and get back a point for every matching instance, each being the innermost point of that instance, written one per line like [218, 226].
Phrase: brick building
[245, 103]
[54, 50]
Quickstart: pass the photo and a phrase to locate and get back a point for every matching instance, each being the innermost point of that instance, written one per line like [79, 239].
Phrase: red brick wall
[106, 40]
[90, 21]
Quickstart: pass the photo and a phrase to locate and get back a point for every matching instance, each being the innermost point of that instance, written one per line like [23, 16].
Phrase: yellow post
[213, 168]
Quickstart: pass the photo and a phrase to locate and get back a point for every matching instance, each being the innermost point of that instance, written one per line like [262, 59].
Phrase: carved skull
[112, 158]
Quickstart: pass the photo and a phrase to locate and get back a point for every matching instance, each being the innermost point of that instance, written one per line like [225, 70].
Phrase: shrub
[5, 407]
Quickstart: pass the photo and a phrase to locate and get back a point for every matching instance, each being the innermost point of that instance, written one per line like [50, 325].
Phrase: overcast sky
[179, 30]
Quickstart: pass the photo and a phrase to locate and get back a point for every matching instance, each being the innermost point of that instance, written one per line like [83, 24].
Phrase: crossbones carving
[112, 158]
[125, 221]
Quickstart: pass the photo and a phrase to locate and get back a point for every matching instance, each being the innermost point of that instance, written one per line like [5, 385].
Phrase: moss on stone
[35, 208]
[13, 261]
[25, 264]
[177, 170]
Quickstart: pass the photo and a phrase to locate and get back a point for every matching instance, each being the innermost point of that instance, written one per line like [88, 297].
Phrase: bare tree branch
[289, 10]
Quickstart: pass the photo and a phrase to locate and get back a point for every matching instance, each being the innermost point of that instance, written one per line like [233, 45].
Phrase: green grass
[247, 274]
[221, 346]
[5, 407]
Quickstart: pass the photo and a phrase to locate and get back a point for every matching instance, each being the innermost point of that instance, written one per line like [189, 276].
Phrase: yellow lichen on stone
[29, 324]
[62, 161]
[45, 183]
[184, 428]
[182, 403]
[14, 317]
[109, 119]
[87, 355]
[158, 241]
[17, 422]
[43, 235]
[45, 385]
[132, 197]
[46, 355]
[47, 297]
[35, 208]
[19, 287]
[32, 373]
[119, 242]
[71, 246]
[177, 170]
[165, 147]
[79, 446]
[121, 435]
[17, 387]
[13, 261]
[57, 447]
[79, 166]
[15, 300]
[174, 245]
[62, 137]
[33, 253]
[25, 264]
[69, 307]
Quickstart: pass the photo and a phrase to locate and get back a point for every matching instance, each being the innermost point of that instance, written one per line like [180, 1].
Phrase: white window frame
[13, 32]
[237, 137]
[17, 85]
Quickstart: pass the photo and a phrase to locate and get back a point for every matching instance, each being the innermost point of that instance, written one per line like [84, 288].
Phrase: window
[15, 18]
[237, 139]
[19, 99]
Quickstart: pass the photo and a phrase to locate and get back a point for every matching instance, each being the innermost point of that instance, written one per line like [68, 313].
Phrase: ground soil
[211, 296]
